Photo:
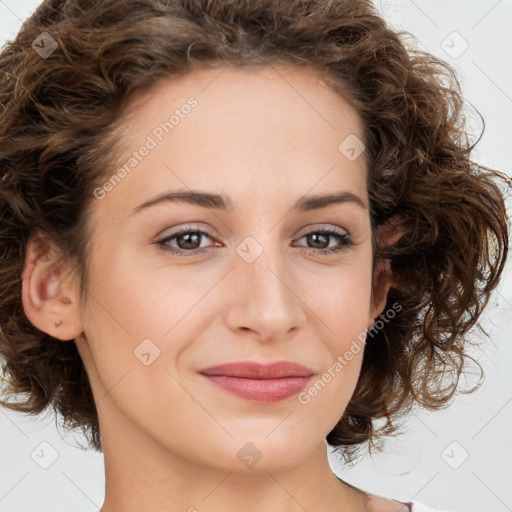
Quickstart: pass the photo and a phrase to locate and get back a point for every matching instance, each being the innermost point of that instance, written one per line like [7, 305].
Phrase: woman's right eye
[187, 240]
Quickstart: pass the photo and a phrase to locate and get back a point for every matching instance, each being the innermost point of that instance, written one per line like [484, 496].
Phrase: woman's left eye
[188, 241]
[320, 236]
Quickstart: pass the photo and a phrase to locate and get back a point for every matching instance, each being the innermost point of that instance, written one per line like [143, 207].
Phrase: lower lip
[260, 390]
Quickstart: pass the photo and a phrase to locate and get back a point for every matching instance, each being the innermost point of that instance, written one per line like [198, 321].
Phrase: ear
[50, 291]
[387, 235]
[382, 281]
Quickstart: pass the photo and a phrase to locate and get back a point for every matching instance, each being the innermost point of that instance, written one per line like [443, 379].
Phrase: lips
[258, 382]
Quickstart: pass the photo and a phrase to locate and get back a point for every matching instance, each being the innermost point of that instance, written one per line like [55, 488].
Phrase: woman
[246, 229]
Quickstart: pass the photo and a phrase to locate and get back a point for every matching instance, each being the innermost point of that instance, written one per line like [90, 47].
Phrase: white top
[416, 507]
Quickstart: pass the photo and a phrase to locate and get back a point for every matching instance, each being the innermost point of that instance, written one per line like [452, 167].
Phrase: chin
[259, 456]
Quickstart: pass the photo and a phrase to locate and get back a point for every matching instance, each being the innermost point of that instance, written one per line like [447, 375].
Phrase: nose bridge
[265, 298]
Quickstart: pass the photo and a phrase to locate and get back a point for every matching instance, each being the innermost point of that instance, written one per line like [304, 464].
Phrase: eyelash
[344, 238]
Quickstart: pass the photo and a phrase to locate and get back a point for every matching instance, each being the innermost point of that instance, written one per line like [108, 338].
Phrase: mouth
[263, 383]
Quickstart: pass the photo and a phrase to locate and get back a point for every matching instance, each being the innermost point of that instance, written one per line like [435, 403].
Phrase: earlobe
[49, 293]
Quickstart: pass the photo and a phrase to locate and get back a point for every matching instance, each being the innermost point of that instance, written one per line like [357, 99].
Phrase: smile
[260, 383]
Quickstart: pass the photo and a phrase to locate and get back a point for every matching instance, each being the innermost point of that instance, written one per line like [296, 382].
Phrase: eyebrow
[223, 202]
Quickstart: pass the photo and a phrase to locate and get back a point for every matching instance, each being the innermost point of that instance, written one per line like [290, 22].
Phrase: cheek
[126, 319]
[140, 301]
[134, 328]
[342, 298]
[346, 315]
[343, 307]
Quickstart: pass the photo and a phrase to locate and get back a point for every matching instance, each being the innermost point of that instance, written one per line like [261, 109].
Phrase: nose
[266, 298]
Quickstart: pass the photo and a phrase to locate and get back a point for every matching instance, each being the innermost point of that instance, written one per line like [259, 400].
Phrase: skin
[265, 137]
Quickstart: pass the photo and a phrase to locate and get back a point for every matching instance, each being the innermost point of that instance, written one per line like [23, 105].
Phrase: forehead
[267, 94]
[246, 130]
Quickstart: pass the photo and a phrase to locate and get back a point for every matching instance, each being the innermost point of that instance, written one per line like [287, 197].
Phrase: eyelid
[193, 226]
[324, 227]
[212, 233]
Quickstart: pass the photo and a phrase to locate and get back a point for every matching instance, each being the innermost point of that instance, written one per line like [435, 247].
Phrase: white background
[426, 464]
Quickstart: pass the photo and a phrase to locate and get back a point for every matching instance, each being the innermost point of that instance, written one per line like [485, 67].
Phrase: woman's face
[254, 280]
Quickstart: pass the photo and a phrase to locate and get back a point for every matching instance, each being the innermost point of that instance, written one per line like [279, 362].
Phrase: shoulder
[380, 504]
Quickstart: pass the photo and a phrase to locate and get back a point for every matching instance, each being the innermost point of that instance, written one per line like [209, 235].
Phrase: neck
[141, 474]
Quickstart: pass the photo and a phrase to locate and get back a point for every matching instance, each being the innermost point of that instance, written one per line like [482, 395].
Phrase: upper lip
[253, 370]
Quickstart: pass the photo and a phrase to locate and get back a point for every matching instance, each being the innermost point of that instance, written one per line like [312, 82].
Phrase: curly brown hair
[59, 117]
